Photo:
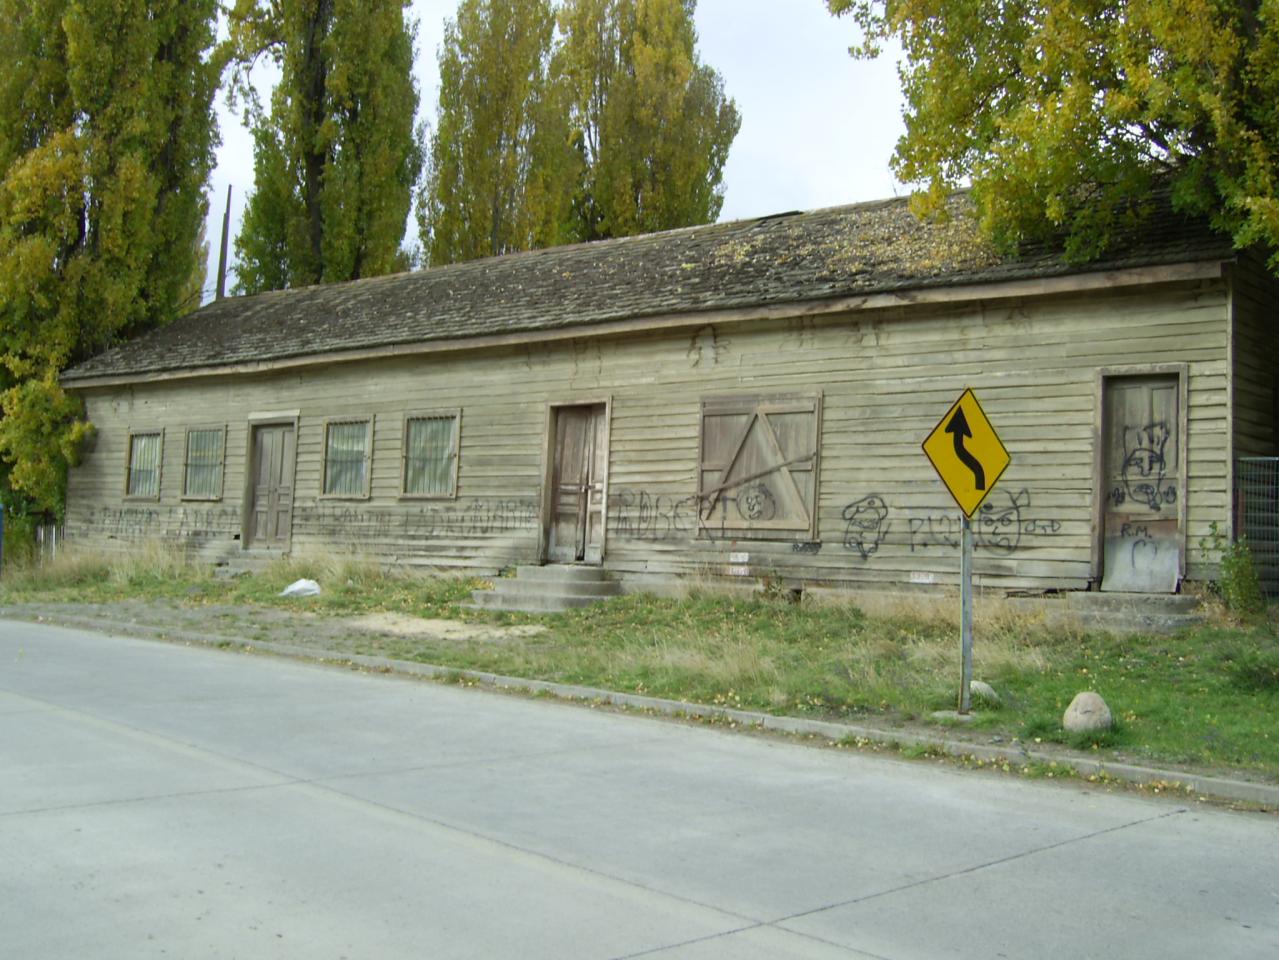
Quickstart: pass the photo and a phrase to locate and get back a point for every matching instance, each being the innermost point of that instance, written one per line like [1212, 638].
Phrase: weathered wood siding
[1255, 346]
[885, 378]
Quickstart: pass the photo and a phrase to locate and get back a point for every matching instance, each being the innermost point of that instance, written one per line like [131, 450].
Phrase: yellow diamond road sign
[966, 453]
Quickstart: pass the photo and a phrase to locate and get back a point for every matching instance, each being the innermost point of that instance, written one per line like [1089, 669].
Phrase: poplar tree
[336, 156]
[614, 129]
[652, 120]
[106, 143]
[1067, 115]
[501, 171]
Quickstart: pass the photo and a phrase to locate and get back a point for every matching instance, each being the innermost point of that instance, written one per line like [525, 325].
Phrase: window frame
[221, 465]
[157, 432]
[368, 458]
[753, 405]
[455, 451]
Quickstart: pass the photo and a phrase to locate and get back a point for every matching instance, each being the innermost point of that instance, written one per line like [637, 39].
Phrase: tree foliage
[653, 122]
[1066, 114]
[614, 128]
[501, 169]
[106, 142]
[335, 156]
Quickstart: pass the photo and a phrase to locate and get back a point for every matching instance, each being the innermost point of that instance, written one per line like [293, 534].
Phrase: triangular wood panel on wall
[759, 461]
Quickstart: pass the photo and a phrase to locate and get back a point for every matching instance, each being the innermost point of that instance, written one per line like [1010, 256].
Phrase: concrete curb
[1171, 781]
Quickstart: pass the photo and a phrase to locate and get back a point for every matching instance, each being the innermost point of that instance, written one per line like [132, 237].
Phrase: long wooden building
[738, 401]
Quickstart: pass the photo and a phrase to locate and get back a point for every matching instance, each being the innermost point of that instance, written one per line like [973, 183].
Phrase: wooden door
[576, 524]
[1142, 484]
[272, 485]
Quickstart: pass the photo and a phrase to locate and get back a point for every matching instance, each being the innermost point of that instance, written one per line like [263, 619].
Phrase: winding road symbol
[958, 427]
[966, 452]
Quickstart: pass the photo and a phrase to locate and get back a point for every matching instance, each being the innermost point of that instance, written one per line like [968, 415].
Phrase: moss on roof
[861, 249]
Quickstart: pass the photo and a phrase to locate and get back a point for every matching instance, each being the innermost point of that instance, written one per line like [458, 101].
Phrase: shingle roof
[862, 249]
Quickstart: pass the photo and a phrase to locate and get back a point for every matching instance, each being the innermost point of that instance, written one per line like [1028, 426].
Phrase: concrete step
[1133, 612]
[1151, 623]
[544, 603]
[248, 561]
[550, 588]
[1154, 603]
[568, 588]
[561, 573]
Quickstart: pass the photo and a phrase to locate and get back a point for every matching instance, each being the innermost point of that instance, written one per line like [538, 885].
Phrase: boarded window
[347, 446]
[430, 455]
[202, 478]
[144, 465]
[758, 470]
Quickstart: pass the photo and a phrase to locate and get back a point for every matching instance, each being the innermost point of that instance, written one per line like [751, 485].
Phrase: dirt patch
[371, 632]
[400, 625]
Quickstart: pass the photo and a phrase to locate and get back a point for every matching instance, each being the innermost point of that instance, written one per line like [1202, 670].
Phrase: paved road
[166, 801]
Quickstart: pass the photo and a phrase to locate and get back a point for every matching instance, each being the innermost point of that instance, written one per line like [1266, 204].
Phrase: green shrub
[19, 538]
[1238, 585]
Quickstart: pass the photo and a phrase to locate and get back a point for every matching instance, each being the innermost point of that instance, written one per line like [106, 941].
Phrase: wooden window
[145, 451]
[202, 473]
[429, 454]
[758, 467]
[348, 447]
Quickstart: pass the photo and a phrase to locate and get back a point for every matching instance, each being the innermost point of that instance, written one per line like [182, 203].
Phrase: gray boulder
[979, 691]
[1086, 713]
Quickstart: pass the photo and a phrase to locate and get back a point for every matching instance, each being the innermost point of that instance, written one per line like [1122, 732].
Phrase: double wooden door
[273, 456]
[580, 465]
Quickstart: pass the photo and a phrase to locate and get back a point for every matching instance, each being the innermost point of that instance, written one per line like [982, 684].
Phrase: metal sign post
[970, 458]
[965, 611]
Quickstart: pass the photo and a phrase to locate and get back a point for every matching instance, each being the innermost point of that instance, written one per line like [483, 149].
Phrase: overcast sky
[817, 126]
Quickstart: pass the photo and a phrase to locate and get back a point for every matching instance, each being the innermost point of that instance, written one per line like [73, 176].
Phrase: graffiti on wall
[1144, 471]
[1000, 526]
[335, 521]
[1142, 544]
[707, 347]
[480, 518]
[139, 523]
[641, 515]
[866, 525]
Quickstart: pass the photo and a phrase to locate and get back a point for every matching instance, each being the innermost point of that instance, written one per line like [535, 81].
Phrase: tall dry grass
[139, 565]
[331, 568]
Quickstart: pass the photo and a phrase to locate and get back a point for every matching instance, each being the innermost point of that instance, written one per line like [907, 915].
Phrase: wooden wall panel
[885, 380]
[1255, 347]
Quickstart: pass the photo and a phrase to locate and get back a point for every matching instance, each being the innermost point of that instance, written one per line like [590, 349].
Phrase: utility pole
[226, 230]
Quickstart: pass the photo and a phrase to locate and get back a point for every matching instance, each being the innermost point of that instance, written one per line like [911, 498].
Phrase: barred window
[144, 465]
[347, 448]
[202, 477]
[430, 455]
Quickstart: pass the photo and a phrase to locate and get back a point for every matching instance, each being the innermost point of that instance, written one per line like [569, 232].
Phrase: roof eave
[1192, 270]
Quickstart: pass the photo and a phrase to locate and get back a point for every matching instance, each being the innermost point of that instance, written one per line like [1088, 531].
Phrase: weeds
[1238, 585]
[1253, 666]
[151, 568]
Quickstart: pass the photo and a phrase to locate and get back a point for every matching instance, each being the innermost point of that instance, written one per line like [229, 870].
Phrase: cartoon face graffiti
[1145, 465]
[999, 525]
[866, 528]
[756, 502]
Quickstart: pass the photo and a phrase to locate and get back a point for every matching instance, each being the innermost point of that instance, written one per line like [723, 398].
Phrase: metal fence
[1257, 515]
[49, 539]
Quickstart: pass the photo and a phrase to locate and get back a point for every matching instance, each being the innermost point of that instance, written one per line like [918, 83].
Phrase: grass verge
[1204, 697]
